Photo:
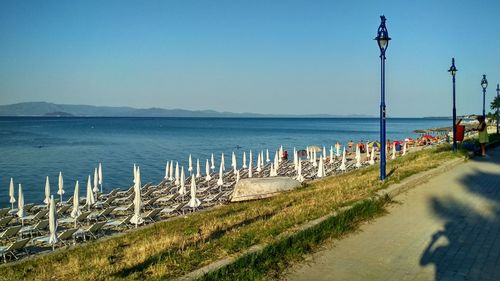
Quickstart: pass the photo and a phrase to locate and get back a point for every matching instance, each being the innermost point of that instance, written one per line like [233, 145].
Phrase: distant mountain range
[70, 110]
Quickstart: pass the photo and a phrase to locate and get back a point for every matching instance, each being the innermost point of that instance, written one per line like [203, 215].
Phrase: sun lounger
[90, 232]
[14, 249]
[125, 192]
[10, 232]
[122, 200]
[175, 209]
[38, 216]
[122, 223]
[63, 210]
[151, 215]
[149, 203]
[168, 198]
[124, 209]
[78, 220]
[63, 237]
[38, 227]
[112, 193]
[105, 203]
[102, 214]
[4, 222]
[4, 211]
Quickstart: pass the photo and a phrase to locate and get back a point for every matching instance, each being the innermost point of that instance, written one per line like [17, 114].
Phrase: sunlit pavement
[445, 229]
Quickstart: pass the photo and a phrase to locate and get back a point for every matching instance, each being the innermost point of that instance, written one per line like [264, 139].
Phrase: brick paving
[445, 229]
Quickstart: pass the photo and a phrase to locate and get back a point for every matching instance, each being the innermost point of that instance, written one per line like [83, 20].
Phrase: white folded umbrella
[193, 202]
[52, 222]
[135, 169]
[259, 169]
[171, 171]
[75, 212]
[250, 164]
[47, 192]
[404, 148]
[262, 158]
[100, 175]
[372, 156]
[198, 173]
[244, 160]
[20, 204]
[321, 168]
[136, 218]
[237, 176]
[220, 181]
[280, 154]
[207, 171]
[324, 152]
[90, 195]
[96, 182]
[182, 189]
[60, 190]
[166, 171]
[337, 148]
[358, 157]
[299, 171]
[342, 165]
[393, 151]
[267, 156]
[12, 198]
[331, 154]
[223, 163]
[213, 162]
[234, 164]
[190, 165]
[176, 182]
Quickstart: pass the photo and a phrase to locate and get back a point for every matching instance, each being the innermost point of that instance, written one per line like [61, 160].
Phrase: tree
[495, 104]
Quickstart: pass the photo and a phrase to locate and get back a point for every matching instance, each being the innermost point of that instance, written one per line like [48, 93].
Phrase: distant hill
[66, 110]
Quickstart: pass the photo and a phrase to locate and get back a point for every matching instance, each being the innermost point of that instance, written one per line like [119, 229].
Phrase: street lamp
[484, 84]
[383, 42]
[498, 101]
[453, 72]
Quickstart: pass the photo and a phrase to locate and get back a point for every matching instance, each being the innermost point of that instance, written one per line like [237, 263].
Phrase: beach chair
[41, 225]
[4, 211]
[4, 222]
[149, 203]
[168, 198]
[175, 209]
[14, 249]
[112, 193]
[124, 209]
[36, 217]
[125, 192]
[151, 215]
[123, 200]
[27, 207]
[102, 214]
[63, 237]
[10, 232]
[117, 224]
[105, 203]
[90, 232]
[63, 210]
[78, 220]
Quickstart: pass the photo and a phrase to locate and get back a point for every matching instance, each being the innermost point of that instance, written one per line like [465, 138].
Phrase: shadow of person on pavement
[468, 246]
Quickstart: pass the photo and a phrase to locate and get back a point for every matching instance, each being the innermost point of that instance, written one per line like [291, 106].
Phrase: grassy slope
[173, 248]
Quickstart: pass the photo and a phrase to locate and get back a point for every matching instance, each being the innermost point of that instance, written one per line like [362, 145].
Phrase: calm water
[32, 148]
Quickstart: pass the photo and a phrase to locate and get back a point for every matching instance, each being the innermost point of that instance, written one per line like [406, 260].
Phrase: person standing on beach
[483, 134]
[350, 145]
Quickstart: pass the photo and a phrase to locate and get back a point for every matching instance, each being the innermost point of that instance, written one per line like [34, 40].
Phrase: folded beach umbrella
[393, 151]
[234, 164]
[404, 148]
[136, 218]
[314, 159]
[177, 174]
[60, 191]
[171, 171]
[308, 153]
[324, 153]
[190, 167]
[321, 169]
[337, 148]
[259, 169]
[100, 175]
[52, 222]
[166, 171]
[223, 163]
[262, 158]
[198, 173]
[276, 159]
[372, 157]
[182, 189]
[75, 212]
[299, 171]
[237, 176]
[250, 165]
[342, 165]
[280, 154]
[20, 205]
[135, 169]
[358, 157]
[244, 160]
[267, 156]
[295, 158]
[90, 195]
[47, 192]
[193, 202]
[207, 171]
[213, 162]
[12, 199]
[331, 154]
[96, 182]
[220, 181]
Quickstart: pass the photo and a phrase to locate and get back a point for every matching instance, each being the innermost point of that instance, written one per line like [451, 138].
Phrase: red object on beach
[429, 137]
[460, 132]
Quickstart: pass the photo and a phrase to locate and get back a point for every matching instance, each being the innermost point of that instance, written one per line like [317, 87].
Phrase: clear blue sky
[267, 56]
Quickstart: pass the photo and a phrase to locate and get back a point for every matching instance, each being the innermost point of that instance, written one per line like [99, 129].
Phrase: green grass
[173, 248]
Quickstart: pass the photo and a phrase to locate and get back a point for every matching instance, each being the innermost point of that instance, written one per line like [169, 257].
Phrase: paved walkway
[445, 229]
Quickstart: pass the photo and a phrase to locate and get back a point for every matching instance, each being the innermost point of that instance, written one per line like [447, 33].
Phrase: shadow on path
[468, 246]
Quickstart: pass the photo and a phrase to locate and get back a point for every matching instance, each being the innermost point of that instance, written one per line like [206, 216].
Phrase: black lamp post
[498, 100]
[383, 42]
[453, 72]
[484, 84]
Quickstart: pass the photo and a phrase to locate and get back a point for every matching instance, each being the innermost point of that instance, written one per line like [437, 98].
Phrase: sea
[32, 148]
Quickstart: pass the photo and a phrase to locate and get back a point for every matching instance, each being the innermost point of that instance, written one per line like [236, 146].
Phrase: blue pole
[484, 103]
[382, 118]
[454, 118]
